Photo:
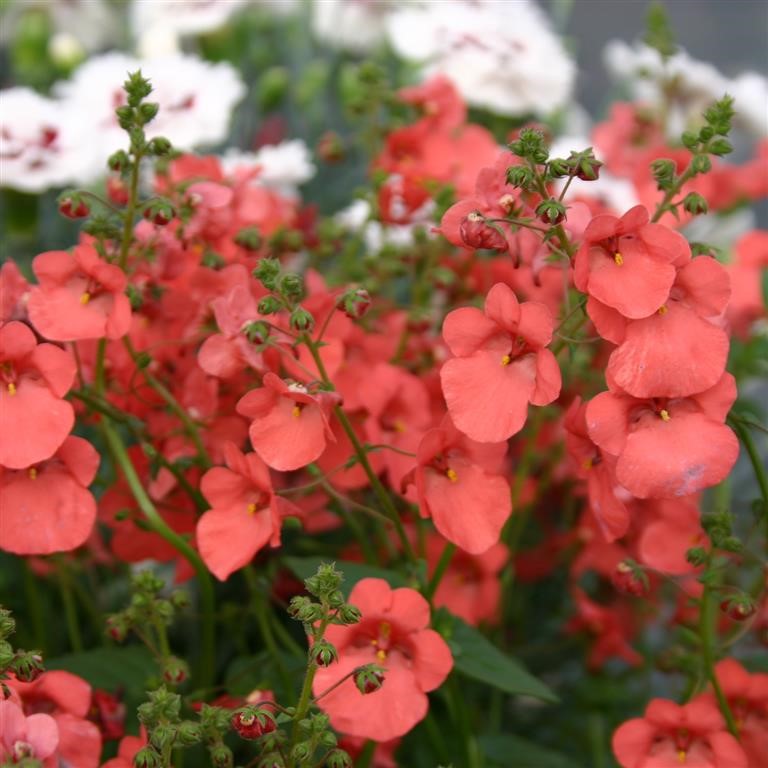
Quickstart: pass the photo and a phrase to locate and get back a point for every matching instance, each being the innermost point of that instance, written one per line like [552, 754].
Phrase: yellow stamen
[385, 629]
[381, 655]
[506, 360]
[663, 309]
[664, 415]
[296, 411]
[452, 476]
[681, 755]
[11, 388]
[399, 426]
[32, 472]
[618, 258]
[251, 509]
[85, 298]
[586, 464]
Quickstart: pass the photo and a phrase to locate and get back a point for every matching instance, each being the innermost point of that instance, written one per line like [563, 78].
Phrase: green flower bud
[269, 305]
[7, 623]
[221, 756]
[147, 757]
[119, 161]
[301, 320]
[162, 735]
[188, 733]
[301, 751]
[323, 653]
[136, 88]
[551, 211]
[720, 147]
[250, 238]
[256, 332]
[159, 146]
[338, 758]
[701, 164]
[696, 556]
[266, 271]
[348, 614]
[27, 665]
[694, 203]
[148, 112]
[291, 286]
[124, 117]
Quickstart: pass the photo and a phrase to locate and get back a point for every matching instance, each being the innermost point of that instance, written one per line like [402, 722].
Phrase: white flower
[501, 55]
[196, 99]
[283, 166]
[695, 85]
[351, 25]
[40, 145]
[356, 217]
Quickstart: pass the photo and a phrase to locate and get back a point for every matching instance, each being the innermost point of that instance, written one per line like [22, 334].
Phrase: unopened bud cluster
[26, 666]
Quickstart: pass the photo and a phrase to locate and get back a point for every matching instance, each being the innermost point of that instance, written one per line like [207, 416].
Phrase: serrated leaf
[304, 567]
[476, 657]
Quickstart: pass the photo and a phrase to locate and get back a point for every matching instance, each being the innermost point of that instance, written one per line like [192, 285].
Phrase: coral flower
[34, 420]
[47, 507]
[245, 515]
[289, 427]
[35, 737]
[670, 734]
[666, 447]
[628, 263]
[500, 365]
[79, 296]
[67, 698]
[678, 350]
[393, 634]
[460, 486]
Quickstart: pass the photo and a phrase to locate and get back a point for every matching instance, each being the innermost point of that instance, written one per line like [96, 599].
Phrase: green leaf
[304, 567]
[476, 657]
[515, 752]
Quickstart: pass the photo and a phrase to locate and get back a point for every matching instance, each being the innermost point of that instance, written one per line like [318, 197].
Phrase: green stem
[381, 492]
[366, 755]
[189, 425]
[130, 212]
[707, 628]
[664, 205]
[440, 569]
[757, 464]
[121, 458]
[70, 610]
[35, 606]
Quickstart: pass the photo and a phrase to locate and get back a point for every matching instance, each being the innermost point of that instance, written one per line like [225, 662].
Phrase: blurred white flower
[351, 25]
[356, 218]
[502, 55]
[40, 144]
[282, 167]
[694, 84]
[196, 99]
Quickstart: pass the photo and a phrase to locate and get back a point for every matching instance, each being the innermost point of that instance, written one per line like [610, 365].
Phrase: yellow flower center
[251, 509]
[618, 258]
[32, 472]
[506, 360]
[85, 297]
[296, 411]
[664, 415]
[586, 464]
[451, 475]
[11, 388]
[663, 309]
[381, 654]
[681, 755]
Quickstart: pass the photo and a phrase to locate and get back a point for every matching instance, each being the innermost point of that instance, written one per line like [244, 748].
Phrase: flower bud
[690, 139]
[558, 167]
[291, 286]
[162, 735]
[272, 760]
[628, 577]
[160, 212]
[266, 272]
[175, 671]
[159, 146]
[118, 161]
[117, 627]
[124, 117]
[301, 752]
[72, 205]
[301, 320]
[147, 757]
[694, 203]
[148, 111]
[739, 607]
[7, 623]
[6, 654]
[551, 211]
[330, 147]
[519, 175]
[354, 303]
[323, 653]
[250, 239]
[252, 723]
[701, 164]
[221, 756]
[338, 758]
[348, 614]
[720, 147]
[696, 556]
[269, 305]
[369, 679]
[477, 234]
[117, 191]
[188, 733]
[257, 332]
[28, 666]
